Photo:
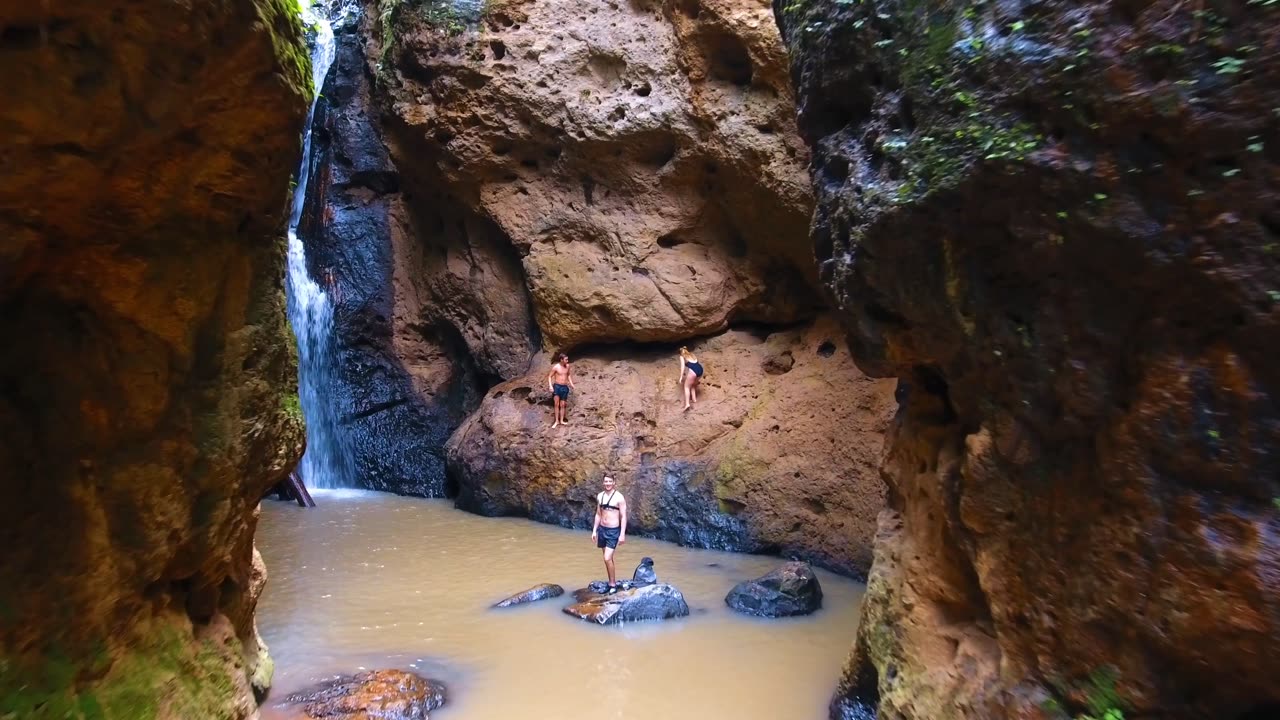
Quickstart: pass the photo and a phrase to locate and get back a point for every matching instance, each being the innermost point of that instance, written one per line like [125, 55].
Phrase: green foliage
[292, 406]
[191, 680]
[1228, 65]
[1101, 700]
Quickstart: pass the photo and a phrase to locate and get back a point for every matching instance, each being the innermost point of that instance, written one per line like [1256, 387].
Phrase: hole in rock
[521, 393]
[690, 8]
[643, 89]
[729, 59]
[827, 348]
[498, 48]
[670, 240]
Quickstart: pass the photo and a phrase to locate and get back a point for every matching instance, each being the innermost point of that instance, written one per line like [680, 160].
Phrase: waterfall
[325, 464]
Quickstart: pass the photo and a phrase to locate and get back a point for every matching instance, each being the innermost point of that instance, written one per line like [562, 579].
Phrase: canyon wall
[1056, 224]
[147, 380]
[612, 179]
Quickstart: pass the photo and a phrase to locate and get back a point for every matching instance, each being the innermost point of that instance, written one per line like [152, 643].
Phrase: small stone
[533, 594]
[644, 574]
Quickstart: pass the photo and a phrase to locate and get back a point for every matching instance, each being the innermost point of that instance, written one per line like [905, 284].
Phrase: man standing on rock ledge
[560, 382]
[610, 527]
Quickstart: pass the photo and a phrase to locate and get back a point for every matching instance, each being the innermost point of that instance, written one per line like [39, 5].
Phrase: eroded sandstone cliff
[147, 383]
[574, 176]
[1057, 224]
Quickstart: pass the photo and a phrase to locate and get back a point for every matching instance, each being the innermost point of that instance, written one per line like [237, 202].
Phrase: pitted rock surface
[1056, 223]
[763, 461]
[373, 695]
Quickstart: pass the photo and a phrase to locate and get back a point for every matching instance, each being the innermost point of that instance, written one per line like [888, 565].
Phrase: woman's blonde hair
[684, 352]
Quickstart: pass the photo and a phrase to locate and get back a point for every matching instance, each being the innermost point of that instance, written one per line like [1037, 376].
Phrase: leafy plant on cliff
[1101, 700]
[292, 406]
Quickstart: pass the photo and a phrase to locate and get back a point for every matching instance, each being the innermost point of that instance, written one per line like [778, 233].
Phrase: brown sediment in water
[369, 580]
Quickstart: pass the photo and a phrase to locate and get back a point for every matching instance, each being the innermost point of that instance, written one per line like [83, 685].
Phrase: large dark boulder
[1058, 224]
[792, 589]
[646, 602]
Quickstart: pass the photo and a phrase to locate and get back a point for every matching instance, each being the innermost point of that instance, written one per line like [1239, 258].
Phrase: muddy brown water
[370, 580]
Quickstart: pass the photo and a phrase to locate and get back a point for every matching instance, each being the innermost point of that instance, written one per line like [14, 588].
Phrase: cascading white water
[325, 464]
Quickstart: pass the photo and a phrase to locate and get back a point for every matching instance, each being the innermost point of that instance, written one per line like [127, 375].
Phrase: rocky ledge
[774, 457]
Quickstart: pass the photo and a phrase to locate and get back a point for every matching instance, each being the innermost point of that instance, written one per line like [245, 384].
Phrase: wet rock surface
[149, 388]
[533, 594]
[1056, 225]
[763, 462]
[792, 589]
[374, 695]
[402, 381]
[634, 604]
[644, 573]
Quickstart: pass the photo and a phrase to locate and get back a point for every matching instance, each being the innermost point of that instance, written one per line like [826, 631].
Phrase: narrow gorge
[987, 294]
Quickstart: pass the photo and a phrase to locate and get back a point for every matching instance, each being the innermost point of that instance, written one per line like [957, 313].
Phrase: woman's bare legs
[688, 389]
[693, 388]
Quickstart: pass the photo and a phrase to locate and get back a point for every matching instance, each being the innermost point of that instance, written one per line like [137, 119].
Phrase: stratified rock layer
[147, 377]
[778, 455]
[1058, 226]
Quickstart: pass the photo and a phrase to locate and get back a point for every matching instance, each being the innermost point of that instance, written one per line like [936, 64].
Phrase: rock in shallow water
[533, 594]
[649, 602]
[378, 694]
[644, 574]
[792, 589]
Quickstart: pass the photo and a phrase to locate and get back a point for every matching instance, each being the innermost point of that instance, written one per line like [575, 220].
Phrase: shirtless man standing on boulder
[560, 382]
[610, 527]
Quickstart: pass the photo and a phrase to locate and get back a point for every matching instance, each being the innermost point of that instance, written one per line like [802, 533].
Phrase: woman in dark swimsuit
[690, 376]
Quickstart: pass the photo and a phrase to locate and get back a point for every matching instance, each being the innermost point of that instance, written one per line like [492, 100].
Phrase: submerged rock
[533, 594]
[644, 574]
[648, 602]
[792, 589]
[373, 695]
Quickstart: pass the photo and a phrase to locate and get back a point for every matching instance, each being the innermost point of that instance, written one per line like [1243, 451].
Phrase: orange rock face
[640, 157]
[147, 369]
[1056, 223]
[778, 455]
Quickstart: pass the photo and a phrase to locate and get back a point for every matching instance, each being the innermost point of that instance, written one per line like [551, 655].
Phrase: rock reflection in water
[367, 580]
